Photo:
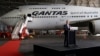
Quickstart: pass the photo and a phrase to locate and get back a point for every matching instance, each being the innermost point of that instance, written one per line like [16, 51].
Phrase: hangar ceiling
[6, 5]
[13, 3]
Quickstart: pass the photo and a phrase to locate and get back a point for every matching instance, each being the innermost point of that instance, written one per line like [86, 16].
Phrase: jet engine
[94, 27]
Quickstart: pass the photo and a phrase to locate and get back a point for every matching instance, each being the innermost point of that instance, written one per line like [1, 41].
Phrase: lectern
[71, 42]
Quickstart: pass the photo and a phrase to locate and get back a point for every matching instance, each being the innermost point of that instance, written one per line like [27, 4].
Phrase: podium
[71, 39]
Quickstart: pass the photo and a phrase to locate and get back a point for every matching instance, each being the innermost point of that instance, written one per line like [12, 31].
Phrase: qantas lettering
[49, 13]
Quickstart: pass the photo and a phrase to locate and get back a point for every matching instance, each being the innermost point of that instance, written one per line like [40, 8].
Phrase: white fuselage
[50, 16]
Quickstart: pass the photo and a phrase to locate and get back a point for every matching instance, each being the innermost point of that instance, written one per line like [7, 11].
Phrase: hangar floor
[26, 45]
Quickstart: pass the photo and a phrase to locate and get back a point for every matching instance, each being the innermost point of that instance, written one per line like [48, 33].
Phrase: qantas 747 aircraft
[55, 16]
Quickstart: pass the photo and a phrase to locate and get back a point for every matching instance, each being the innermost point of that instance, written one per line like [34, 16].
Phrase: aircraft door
[29, 17]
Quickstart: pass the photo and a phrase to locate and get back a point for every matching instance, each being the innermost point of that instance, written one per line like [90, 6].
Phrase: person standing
[66, 33]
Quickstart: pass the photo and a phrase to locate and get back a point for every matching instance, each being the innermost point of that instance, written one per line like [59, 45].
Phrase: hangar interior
[8, 5]
[25, 47]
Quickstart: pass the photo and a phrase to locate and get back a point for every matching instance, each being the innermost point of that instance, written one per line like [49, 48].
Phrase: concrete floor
[26, 46]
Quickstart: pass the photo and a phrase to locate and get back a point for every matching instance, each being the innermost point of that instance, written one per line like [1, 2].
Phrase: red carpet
[11, 48]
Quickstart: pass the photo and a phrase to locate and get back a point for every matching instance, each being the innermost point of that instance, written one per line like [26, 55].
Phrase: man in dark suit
[66, 33]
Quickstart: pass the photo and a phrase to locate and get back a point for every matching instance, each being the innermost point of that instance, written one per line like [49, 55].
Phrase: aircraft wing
[82, 22]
